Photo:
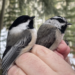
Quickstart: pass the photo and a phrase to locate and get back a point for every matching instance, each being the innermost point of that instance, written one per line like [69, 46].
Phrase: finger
[14, 70]
[50, 58]
[67, 51]
[63, 49]
[32, 65]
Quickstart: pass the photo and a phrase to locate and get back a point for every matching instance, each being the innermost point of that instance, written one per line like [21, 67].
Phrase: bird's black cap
[20, 20]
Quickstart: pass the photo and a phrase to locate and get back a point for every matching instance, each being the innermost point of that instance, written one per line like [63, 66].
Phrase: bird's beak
[32, 17]
[69, 23]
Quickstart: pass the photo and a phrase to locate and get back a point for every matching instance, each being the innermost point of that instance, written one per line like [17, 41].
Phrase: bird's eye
[24, 20]
[60, 20]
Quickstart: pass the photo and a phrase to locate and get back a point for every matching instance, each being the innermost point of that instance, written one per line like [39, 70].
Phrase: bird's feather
[6, 50]
[15, 50]
[11, 40]
[48, 36]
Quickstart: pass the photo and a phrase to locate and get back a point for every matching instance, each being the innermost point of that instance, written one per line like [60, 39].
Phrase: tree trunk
[2, 14]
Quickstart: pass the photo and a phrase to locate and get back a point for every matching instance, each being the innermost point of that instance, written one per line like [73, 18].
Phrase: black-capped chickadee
[21, 38]
[51, 32]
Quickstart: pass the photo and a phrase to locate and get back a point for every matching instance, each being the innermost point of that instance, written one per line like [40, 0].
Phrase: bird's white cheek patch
[15, 30]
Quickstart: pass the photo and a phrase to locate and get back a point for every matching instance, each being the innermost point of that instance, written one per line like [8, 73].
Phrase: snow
[3, 39]
[72, 60]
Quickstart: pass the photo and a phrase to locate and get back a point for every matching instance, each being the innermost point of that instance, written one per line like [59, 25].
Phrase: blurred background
[43, 10]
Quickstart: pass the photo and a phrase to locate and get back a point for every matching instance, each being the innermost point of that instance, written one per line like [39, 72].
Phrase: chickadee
[51, 32]
[21, 38]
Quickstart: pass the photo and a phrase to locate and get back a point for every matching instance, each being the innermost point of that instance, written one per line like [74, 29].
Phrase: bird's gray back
[46, 35]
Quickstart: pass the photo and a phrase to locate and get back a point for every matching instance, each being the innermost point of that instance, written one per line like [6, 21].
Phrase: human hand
[63, 50]
[43, 61]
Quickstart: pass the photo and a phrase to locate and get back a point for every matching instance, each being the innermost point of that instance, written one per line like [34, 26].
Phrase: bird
[21, 38]
[52, 31]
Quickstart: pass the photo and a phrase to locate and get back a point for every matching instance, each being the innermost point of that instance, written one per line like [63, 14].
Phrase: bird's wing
[6, 50]
[15, 50]
[7, 47]
[46, 35]
[12, 39]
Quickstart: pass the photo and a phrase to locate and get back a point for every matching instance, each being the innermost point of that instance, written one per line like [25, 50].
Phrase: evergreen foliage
[12, 12]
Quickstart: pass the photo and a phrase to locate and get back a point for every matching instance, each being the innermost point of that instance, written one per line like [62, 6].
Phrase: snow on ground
[3, 39]
[72, 60]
